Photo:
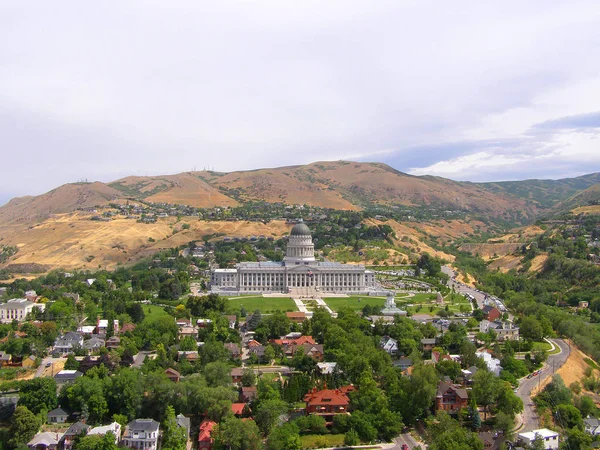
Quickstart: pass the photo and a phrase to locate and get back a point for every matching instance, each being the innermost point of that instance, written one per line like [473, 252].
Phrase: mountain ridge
[330, 184]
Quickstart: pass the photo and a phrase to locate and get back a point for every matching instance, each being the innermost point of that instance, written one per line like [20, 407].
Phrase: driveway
[55, 366]
[530, 420]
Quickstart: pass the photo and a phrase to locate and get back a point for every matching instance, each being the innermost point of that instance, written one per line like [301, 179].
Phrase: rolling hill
[55, 228]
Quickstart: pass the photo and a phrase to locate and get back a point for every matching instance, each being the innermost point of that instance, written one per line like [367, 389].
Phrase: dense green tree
[507, 401]
[285, 437]
[38, 394]
[174, 437]
[236, 434]
[567, 416]
[71, 363]
[268, 413]
[24, 424]
[485, 388]
[97, 442]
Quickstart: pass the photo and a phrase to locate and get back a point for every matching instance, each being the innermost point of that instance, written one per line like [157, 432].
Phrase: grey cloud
[578, 121]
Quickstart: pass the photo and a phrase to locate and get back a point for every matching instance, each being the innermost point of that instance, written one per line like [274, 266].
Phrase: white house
[114, 428]
[17, 309]
[549, 437]
[592, 426]
[493, 364]
[389, 344]
[141, 434]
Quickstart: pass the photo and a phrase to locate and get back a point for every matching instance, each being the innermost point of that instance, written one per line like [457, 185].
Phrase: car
[48, 364]
[529, 376]
[404, 447]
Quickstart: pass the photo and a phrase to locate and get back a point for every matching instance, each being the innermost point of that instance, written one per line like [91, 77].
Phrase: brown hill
[66, 198]
[338, 185]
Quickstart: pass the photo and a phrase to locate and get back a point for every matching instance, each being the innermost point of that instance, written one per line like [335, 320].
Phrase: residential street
[554, 362]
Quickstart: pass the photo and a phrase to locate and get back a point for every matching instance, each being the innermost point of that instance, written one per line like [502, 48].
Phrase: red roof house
[205, 441]
[328, 402]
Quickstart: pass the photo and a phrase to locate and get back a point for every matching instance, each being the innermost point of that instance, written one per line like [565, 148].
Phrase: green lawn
[320, 441]
[153, 312]
[263, 304]
[355, 302]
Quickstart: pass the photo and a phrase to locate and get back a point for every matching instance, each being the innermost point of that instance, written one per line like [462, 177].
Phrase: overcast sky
[468, 90]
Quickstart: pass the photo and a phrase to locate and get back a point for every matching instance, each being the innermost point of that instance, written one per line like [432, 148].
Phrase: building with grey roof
[141, 434]
[299, 272]
[17, 309]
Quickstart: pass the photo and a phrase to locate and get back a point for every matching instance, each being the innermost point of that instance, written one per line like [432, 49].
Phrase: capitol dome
[300, 229]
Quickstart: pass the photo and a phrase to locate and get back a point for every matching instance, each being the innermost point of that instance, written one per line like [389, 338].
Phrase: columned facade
[298, 271]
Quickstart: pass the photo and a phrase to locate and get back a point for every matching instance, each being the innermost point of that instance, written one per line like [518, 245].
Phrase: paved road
[45, 370]
[404, 439]
[462, 288]
[529, 416]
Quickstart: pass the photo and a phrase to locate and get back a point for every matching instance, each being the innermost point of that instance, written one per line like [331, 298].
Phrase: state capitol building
[298, 273]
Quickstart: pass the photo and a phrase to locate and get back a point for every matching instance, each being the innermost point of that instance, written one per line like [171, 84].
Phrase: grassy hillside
[543, 193]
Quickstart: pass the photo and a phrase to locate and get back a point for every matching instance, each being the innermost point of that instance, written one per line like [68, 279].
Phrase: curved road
[529, 417]
[530, 420]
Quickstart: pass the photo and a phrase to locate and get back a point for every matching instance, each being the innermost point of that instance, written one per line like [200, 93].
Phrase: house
[296, 316]
[187, 331]
[28, 362]
[18, 309]
[92, 345]
[185, 423]
[549, 438]
[5, 358]
[232, 318]
[113, 342]
[74, 430]
[326, 368]
[190, 355]
[86, 330]
[493, 364]
[45, 441]
[57, 415]
[238, 409]
[113, 428]
[583, 304]
[450, 398]
[173, 375]
[328, 402]
[428, 344]
[236, 375]
[66, 376]
[592, 426]
[258, 350]
[389, 345]
[249, 394]
[491, 441]
[403, 363]
[205, 441]
[505, 331]
[234, 349]
[469, 374]
[314, 351]
[68, 343]
[141, 434]
[491, 313]
[102, 326]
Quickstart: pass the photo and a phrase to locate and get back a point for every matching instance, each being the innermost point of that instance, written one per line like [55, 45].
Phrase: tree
[285, 437]
[174, 436]
[531, 328]
[504, 422]
[578, 439]
[268, 413]
[71, 363]
[485, 388]
[38, 395]
[351, 438]
[23, 426]
[97, 442]
[248, 378]
[569, 417]
[236, 434]
[508, 402]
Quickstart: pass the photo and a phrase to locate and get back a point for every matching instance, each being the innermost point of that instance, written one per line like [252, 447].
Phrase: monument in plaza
[390, 308]
[298, 273]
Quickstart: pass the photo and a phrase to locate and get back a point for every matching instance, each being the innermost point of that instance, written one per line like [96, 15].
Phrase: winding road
[529, 417]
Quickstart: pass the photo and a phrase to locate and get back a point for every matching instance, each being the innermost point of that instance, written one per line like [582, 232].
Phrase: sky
[468, 90]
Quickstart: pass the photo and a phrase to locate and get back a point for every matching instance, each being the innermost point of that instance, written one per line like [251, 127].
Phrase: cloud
[578, 121]
[101, 90]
